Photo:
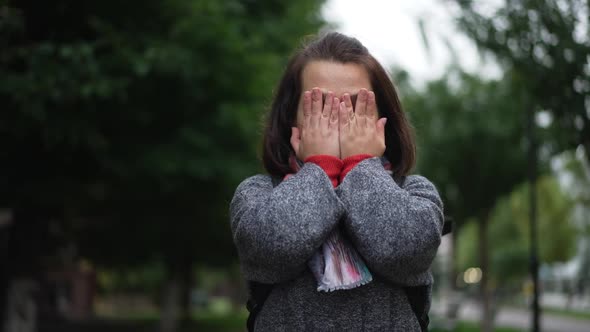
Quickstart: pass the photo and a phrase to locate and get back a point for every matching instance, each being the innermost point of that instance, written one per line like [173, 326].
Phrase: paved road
[521, 319]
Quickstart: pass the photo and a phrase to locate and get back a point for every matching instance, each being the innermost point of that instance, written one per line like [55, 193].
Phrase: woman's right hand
[360, 131]
[318, 134]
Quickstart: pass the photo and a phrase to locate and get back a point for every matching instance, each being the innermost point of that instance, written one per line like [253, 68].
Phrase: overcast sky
[390, 30]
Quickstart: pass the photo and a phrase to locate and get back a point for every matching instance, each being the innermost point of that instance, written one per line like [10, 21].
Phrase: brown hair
[399, 139]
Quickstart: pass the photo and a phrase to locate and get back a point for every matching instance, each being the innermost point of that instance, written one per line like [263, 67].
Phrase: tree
[575, 166]
[470, 135]
[509, 227]
[546, 44]
[129, 124]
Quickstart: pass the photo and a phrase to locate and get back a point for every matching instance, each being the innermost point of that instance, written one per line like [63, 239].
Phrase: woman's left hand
[360, 130]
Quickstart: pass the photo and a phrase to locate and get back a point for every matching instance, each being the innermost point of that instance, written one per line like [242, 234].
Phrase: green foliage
[576, 168]
[556, 231]
[466, 255]
[546, 45]
[509, 252]
[146, 278]
[133, 122]
[509, 233]
[470, 136]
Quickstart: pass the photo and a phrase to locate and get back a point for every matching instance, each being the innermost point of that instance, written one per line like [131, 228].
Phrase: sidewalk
[521, 319]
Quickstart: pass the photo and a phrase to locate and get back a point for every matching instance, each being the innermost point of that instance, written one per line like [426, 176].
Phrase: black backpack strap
[259, 292]
[448, 225]
[418, 298]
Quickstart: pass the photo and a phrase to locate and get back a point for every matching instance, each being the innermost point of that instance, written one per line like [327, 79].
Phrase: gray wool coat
[397, 231]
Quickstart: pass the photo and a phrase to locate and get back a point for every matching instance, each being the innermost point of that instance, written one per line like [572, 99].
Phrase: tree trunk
[26, 239]
[485, 296]
[170, 312]
[186, 276]
[21, 309]
[586, 145]
[453, 295]
[5, 269]
[453, 272]
[176, 297]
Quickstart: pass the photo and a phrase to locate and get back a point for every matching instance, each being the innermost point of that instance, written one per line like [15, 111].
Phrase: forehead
[335, 76]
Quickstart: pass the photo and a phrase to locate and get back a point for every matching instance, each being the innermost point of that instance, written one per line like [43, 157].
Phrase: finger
[348, 102]
[334, 114]
[380, 127]
[343, 117]
[295, 139]
[380, 136]
[349, 109]
[371, 106]
[316, 107]
[360, 108]
[306, 107]
[328, 105]
[316, 103]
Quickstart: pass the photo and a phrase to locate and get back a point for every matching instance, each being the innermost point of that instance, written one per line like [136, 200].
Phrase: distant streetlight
[472, 275]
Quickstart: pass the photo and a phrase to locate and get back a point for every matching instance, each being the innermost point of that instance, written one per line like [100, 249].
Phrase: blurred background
[125, 127]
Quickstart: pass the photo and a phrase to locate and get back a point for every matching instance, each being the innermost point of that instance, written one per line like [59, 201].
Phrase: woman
[337, 115]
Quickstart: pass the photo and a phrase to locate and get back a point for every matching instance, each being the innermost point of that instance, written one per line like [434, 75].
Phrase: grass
[201, 321]
[463, 326]
[221, 322]
[568, 313]
[231, 321]
[576, 314]
[136, 323]
[234, 321]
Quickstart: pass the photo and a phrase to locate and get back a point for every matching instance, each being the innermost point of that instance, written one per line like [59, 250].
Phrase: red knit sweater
[335, 168]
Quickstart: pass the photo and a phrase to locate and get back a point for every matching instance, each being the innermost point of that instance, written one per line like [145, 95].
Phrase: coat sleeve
[396, 229]
[277, 230]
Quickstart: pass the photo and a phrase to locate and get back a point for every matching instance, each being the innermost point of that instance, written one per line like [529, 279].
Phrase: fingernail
[362, 94]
